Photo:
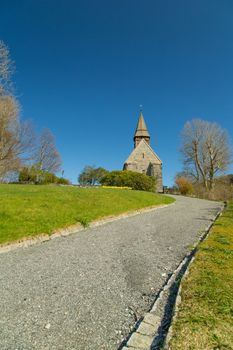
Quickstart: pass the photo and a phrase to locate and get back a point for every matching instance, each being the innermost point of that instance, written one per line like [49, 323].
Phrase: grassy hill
[29, 210]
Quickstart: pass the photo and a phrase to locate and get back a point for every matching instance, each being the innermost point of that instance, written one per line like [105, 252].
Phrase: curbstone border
[63, 232]
[179, 299]
[154, 331]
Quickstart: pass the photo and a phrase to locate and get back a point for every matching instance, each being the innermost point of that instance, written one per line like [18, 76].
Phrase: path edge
[144, 335]
[63, 232]
[178, 297]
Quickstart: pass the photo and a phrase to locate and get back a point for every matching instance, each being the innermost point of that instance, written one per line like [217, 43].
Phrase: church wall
[156, 171]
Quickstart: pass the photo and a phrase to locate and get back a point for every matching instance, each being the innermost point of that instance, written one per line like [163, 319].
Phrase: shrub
[28, 175]
[45, 177]
[62, 181]
[222, 189]
[184, 185]
[136, 181]
[35, 176]
[220, 192]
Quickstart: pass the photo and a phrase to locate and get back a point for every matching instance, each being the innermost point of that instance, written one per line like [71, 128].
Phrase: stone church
[143, 159]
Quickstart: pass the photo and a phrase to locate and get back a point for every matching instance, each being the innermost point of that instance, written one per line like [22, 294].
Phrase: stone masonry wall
[157, 173]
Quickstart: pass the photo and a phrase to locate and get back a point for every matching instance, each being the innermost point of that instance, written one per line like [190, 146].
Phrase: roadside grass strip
[205, 316]
[29, 210]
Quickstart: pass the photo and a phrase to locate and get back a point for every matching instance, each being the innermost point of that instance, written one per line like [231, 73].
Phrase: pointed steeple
[141, 131]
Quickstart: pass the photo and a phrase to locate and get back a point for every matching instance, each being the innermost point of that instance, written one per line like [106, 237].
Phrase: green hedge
[131, 179]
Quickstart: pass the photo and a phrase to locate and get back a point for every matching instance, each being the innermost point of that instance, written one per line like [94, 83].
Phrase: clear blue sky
[84, 67]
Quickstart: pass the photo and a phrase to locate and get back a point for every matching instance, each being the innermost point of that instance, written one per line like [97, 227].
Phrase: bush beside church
[126, 178]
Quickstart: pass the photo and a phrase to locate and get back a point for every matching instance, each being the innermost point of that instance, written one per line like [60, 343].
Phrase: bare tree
[16, 138]
[6, 69]
[47, 156]
[206, 150]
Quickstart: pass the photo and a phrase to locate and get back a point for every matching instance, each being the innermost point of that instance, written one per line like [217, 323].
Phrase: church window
[143, 155]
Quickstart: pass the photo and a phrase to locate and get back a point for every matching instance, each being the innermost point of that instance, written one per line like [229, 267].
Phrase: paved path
[85, 290]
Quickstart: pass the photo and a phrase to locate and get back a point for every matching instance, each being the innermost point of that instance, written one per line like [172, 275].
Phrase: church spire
[141, 131]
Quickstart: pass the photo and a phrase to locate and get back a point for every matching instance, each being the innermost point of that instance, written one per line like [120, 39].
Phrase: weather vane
[140, 106]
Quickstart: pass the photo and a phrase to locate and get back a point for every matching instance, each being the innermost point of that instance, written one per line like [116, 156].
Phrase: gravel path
[85, 291]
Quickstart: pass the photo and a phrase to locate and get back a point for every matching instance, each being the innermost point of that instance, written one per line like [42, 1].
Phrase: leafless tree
[17, 141]
[16, 137]
[206, 150]
[6, 69]
[47, 156]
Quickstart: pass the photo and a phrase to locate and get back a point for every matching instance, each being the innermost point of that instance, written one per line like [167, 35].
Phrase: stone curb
[148, 334]
[74, 229]
[178, 298]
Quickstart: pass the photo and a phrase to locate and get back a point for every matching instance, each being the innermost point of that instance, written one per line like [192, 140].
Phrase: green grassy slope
[205, 317]
[29, 210]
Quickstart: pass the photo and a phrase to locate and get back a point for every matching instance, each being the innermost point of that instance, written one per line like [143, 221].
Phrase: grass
[29, 210]
[205, 317]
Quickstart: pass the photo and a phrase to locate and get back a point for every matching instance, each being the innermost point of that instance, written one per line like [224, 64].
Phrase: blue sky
[84, 67]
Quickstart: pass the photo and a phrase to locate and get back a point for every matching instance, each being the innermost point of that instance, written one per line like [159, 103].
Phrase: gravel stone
[91, 287]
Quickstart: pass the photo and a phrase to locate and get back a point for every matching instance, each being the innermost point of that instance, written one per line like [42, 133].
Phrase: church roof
[141, 129]
[143, 148]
